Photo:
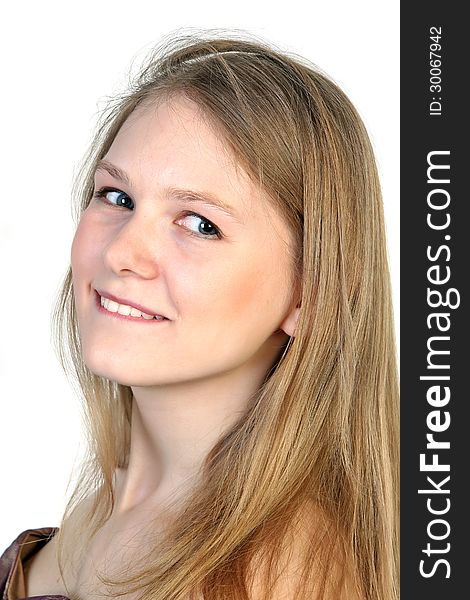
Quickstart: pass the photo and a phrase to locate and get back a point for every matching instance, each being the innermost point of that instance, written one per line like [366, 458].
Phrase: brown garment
[12, 584]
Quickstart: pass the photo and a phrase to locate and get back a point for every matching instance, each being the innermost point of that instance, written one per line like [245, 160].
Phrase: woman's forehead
[186, 121]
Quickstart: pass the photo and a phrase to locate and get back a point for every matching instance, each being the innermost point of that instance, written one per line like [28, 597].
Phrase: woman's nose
[133, 249]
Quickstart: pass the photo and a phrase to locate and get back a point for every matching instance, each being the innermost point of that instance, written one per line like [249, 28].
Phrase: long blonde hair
[323, 429]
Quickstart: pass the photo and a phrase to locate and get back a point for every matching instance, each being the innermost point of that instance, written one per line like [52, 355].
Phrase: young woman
[228, 317]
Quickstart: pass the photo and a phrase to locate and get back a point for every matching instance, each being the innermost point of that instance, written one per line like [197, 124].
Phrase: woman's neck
[173, 429]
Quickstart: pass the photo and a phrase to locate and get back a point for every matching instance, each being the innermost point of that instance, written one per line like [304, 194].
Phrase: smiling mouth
[125, 311]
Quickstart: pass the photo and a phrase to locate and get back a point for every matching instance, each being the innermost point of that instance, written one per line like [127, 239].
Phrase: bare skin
[112, 550]
[116, 545]
[229, 308]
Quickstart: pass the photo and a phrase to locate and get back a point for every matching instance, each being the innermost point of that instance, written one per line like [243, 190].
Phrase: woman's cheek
[244, 288]
[85, 248]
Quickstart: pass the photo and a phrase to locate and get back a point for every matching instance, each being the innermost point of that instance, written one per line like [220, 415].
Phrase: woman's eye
[194, 223]
[115, 197]
[199, 226]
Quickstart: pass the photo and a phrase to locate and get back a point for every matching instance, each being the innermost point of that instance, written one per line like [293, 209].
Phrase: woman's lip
[109, 296]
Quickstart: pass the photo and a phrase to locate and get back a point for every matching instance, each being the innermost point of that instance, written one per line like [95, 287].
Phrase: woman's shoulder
[310, 542]
[14, 559]
[25, 545]
[42, 574]
[30, 563]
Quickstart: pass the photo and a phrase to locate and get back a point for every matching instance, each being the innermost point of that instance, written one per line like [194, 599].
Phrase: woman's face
[158, 238]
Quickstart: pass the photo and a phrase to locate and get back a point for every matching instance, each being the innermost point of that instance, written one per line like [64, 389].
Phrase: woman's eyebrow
[177, 193]
[206, 198]
[116, 172]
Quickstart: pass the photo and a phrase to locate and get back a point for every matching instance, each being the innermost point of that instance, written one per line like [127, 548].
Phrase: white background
[58, 62]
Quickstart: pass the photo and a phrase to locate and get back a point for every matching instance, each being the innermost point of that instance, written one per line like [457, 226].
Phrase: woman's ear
[290, 322]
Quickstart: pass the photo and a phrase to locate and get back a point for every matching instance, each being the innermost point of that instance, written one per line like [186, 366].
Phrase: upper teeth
[124, 309]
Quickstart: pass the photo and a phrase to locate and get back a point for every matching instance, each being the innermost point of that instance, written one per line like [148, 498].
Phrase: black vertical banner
[435, 267]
